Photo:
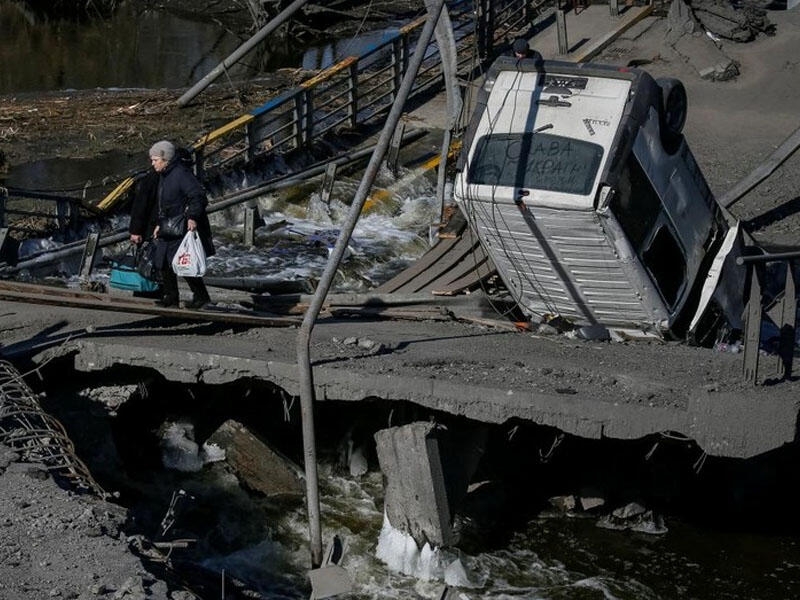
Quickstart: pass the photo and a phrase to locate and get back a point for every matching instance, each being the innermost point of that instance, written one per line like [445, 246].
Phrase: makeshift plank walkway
[457, 264]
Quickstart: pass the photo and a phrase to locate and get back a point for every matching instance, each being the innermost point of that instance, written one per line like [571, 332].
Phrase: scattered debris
[331, 579]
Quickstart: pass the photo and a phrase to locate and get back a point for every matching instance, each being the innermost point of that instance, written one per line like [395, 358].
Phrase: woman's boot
[200, 295]
[170, 283]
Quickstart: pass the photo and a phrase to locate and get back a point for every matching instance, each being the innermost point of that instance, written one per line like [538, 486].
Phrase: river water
[134, 49]
[567, 558]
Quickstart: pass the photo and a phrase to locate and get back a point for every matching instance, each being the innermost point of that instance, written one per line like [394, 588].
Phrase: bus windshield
[536, 161]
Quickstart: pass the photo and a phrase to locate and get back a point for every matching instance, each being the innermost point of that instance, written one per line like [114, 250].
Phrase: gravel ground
[58, 544]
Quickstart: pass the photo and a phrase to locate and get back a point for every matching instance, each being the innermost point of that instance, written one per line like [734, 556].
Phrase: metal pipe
[346, 232]
[47, 257]
[762, 171]
[302, 176]
[234, 57]
[446, 42]
[765, 258]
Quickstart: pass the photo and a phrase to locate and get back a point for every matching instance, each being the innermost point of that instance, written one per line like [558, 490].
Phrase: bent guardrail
[782, 311]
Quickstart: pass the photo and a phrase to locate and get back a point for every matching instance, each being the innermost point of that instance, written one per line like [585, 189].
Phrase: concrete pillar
[416, 499]
[427, 469]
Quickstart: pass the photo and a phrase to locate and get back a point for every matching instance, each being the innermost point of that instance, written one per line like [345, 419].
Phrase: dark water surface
[135, 48]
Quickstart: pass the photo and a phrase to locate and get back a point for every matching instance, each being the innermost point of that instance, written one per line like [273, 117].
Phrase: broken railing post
[394, 148]
[561, 31]
[787, 323]
[89, 251]
[249, 235]
[785, 318]
[3, 237]
[327, 184]
[346, 231]
[752, 329]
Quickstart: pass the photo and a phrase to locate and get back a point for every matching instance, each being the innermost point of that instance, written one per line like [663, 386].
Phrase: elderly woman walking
[178, 193]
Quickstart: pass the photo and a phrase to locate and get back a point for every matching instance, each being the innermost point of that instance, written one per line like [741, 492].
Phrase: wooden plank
[632, 15]
[459, 253]
[420, 265]
[764, 170]
[455, 227]
[459, 269]
[469, 281]
[35, 294]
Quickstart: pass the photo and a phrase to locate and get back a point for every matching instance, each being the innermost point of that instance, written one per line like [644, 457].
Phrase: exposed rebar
[37, 436]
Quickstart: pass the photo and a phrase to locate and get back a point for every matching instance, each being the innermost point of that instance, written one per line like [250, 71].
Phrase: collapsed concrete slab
[257, 466]
[688, 38]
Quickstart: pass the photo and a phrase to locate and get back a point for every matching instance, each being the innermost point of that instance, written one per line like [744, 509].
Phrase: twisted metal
[37, 436]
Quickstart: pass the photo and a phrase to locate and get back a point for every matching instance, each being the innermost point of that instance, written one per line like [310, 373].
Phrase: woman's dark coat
[143, 208]
[179, 191]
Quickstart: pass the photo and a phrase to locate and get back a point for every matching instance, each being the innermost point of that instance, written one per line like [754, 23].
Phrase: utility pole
[345, 233]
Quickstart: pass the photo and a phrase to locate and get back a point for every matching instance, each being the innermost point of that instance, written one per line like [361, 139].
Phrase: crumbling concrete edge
[722, 424]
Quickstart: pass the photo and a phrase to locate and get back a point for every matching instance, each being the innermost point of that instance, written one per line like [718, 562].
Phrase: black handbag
[172, 228]
[145, 261]
[125, 274]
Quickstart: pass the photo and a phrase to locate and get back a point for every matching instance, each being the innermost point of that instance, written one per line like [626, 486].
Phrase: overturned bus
[583, 191]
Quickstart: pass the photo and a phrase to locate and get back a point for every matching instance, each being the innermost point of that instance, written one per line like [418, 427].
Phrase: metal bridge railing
[355, 91]
[782, 311]
[59, 213]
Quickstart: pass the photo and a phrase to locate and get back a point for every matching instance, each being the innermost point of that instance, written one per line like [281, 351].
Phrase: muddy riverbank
[88, 123]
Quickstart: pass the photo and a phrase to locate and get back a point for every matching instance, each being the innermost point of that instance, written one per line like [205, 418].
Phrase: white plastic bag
[190, 259]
